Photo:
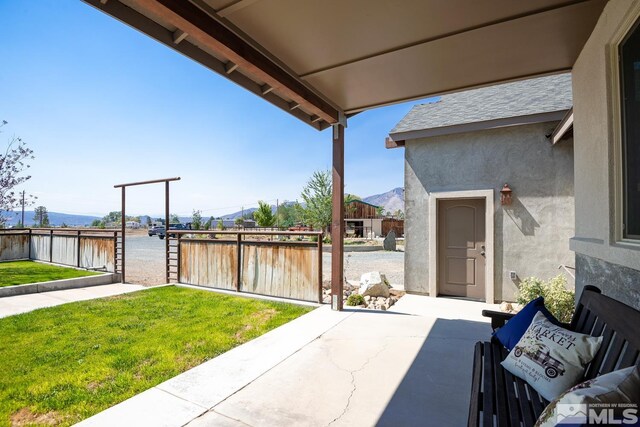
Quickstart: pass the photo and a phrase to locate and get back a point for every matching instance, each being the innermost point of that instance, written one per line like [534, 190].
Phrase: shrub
[559, 300]
[355, 299]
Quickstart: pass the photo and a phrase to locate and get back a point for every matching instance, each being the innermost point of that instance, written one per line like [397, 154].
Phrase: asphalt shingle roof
[522, 98]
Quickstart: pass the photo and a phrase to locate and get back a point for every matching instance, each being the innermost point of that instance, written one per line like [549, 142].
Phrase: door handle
[482, 250]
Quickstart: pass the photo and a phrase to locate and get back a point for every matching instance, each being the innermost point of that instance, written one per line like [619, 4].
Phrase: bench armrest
[498, 318]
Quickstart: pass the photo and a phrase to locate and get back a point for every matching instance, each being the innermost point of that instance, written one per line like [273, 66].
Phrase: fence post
[238, 260]
[320, 269]
[178, 260]
[50, 245]
[30, 235]
[78, 247]
[115, 251]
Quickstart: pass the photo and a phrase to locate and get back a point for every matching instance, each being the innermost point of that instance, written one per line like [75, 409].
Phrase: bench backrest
[617, 323]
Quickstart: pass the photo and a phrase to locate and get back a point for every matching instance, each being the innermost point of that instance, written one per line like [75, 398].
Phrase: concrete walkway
[406, 367]
[24, 303]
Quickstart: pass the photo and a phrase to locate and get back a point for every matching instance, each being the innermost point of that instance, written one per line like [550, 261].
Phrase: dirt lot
[145, 261]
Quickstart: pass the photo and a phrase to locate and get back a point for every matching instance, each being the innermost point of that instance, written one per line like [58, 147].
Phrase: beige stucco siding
[532, 235]
[604, 260]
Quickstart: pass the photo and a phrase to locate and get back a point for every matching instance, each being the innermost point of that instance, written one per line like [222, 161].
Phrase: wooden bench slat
[487, 393]
[476, 386]
[594, 366]
[629, 358]
[613, 355]
[525, 404]
[500, 398]
[512, 399]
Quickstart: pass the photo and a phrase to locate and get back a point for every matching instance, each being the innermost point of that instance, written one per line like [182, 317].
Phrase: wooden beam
[179, 35]
[337, 218]
[208, 32]
[103, 1]
[293, 106]
[266, 89]
[315, 119]
[230, 67]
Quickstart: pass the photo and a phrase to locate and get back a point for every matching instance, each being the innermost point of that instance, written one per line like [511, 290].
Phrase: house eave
[476, 126]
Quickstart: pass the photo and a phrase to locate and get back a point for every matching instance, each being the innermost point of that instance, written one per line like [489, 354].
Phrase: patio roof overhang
[325, 59]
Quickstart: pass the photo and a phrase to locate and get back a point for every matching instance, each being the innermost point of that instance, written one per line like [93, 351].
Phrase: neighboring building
[363, 220]
[132, 224]
[459, 152]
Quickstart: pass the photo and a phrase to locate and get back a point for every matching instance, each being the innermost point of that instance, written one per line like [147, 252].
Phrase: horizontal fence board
[208, 263]
[14, 246]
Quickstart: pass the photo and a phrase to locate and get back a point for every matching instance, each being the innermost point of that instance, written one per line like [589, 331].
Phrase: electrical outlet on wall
[513, 275]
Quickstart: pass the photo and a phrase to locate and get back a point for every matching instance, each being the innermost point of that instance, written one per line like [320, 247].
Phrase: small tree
[196, 220]
[288, 214]
[317, 198]
[208, 223]
[221, 224]
[174, 219]
[264, 216]
[12, 165]
[239, 221]
[41, 216]
[380, 211]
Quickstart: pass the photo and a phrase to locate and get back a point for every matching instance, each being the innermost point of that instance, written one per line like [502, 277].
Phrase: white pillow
[617, 388]
[550, 358]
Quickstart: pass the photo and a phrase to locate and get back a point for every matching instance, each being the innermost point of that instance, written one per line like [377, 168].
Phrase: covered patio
[326, 62]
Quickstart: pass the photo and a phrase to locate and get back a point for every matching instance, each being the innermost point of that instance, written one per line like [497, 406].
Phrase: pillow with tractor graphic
[550, 358]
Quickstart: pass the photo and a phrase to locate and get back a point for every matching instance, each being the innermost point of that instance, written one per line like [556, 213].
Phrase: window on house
[630, 79]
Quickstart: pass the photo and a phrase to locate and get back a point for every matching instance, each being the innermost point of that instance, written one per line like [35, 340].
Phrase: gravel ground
[145, 259]
[145, 262]
[356, 264]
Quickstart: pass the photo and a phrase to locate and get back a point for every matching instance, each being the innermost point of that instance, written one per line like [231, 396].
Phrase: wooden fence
[278, 264]
[84, 248]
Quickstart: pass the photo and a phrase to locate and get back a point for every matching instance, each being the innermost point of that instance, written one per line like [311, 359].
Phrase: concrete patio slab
[404, 367]
[10, 306]
[152, 408]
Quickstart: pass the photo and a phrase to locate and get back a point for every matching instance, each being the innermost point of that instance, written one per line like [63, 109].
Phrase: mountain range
[391, 201]
[55, 218]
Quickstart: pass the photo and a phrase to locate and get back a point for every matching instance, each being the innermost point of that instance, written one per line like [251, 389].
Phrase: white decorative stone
[374, 284]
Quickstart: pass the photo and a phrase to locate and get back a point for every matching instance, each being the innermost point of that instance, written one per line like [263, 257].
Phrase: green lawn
[21, 272]
[62, 364]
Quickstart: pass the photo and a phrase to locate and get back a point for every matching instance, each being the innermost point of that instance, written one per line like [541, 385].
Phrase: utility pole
[22, 222]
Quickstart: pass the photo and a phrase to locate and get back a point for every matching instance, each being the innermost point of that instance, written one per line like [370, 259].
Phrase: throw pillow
[618, 387]
[550, 358]
[512, 331]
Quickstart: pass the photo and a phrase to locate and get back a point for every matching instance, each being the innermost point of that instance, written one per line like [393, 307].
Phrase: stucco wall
[596, 131]
[532, 235]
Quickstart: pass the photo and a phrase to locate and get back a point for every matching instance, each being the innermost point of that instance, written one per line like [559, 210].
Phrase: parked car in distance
[161, 233]
[155, 229]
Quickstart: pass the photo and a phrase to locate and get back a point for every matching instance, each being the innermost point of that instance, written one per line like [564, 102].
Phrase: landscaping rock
[506, 307]
[374, 284]
[389, 243]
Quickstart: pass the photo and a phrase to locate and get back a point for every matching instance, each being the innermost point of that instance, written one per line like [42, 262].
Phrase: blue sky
[100, 104]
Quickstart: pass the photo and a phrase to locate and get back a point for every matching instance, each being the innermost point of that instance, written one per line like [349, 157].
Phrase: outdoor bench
[498, 398]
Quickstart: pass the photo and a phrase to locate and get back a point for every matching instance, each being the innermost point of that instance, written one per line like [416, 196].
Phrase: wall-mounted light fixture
[505, 195]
